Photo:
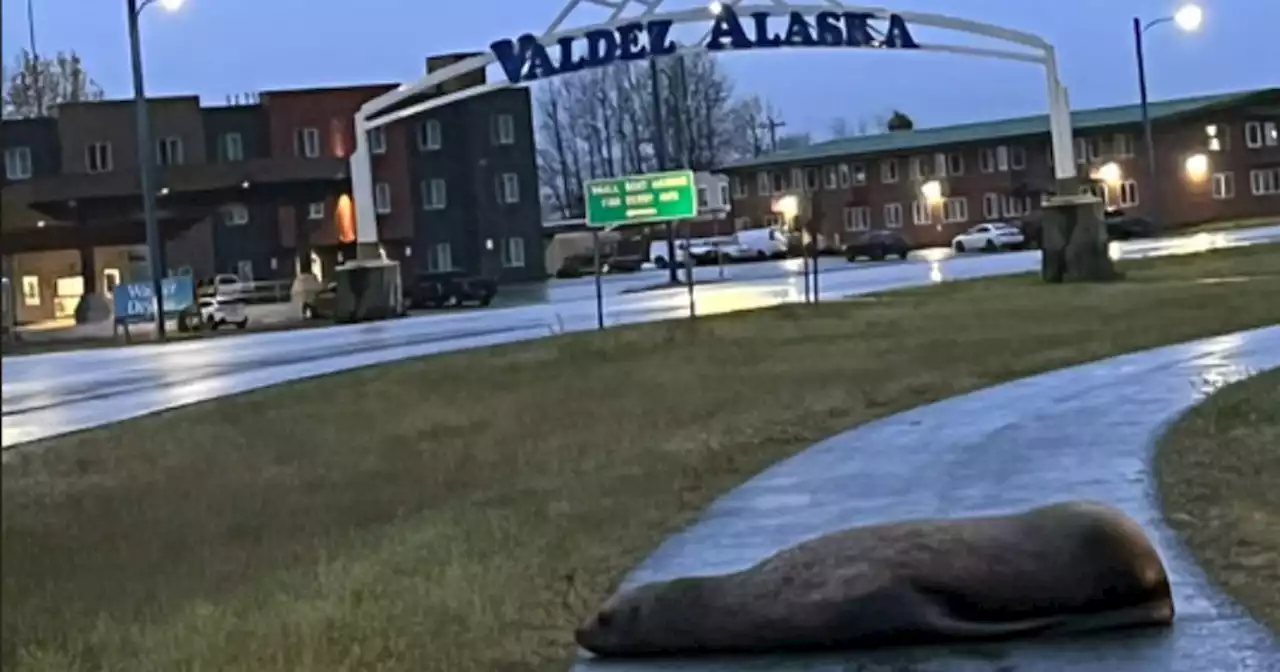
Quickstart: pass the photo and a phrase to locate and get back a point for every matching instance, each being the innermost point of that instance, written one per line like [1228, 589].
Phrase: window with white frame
[955, 163]
[1017, 157]
[429, 135]
[504, 132]
[30, 290]
[991, 206]
[1253, 134]
[780, 182]
[1122, 145]
[702, 198]
[889, 171]
[893, 215]
[231, 147]
[1224, 186]
[830, 178]
[382, 198]
[987, 160]
[724, 194]
[811, 182]
[920, 167]
[97, 157]
[797, 178]
[955, 209]
[433, 194]
[306, 142]
[235, 214]
[1082, 150]
[440, 258]
[1128, 193]
[169, 151]
[1270, 134]
[857, 218]
[739, 187]
[509, 188]
[378, 140]
[17, 163]
[920, 212]
[513, 253]
[764, 184]
[1265, 182]
[315, 210]
[1217, 137]
[1002, 158]
[844, 177]
[859, 174]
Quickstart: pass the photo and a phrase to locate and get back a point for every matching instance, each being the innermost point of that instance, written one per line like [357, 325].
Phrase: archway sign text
[526, 59]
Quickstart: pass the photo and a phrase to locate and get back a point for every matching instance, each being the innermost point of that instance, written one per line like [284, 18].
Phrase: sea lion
[1069, 566]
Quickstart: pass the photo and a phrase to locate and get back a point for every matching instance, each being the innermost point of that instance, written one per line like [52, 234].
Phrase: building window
[232, 147]
[779, 184]
[990, 206]
[504, 130]
[889, 171]
[724, 196]
[1128, 193]
[1218, 137]
[920, 212]
[1018, 157]
[797, 178]
[509, 188]
[1123, 145]
[513, 253]
[306, 143]
[830, 177]
[955, 163]
[433, 194]
[741, 223]
[1016, 207]
[235, 215]
[920, 167]
[440, 258]
[1265, 182]
[764, 185]
[378, 140]
[857, 218]
[702, 198]
[739, 187]
[1082, 151]
[1224, 186]
[382, 198]
[30, 290]
[315, 210]
[429, 136]
[843, 176]
[97, 157]
[987, 160]
[1253, 134]
[811, 179]
[169, 151]
[1270, 134]
[17, 163]
[859, 174]
[893, 215]
[955, 210]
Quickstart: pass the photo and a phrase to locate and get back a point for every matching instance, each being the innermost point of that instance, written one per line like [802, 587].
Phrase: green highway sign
[636, 199]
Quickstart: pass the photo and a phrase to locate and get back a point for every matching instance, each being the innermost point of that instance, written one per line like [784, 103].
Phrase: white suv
[218, 312]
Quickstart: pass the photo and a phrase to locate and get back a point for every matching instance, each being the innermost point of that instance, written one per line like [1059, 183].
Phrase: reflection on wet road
[51, 394]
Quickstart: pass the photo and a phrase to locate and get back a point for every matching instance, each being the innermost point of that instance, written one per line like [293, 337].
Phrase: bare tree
[35, 86]
[839, 128]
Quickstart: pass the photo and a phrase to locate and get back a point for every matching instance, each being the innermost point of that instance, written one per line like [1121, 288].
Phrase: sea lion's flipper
[940, 617]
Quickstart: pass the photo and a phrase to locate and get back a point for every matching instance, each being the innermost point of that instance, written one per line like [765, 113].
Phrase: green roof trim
[901, 141]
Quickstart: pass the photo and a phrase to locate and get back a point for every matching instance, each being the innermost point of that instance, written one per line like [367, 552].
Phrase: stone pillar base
[368, 252]
[368, 290]
[1074, 243]
[92, 309]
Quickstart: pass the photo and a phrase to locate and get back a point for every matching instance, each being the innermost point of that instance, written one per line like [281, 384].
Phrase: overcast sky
[218, 47]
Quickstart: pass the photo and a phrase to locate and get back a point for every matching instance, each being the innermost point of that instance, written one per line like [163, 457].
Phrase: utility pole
[660, 150]
[772, 125]
[35, 61]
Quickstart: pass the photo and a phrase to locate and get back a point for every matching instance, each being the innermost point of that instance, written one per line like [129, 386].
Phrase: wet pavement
[1085, 432]
[51, 394]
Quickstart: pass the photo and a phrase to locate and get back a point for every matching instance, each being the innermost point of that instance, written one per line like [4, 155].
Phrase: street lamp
[1188, 18]
[1110, 173]
[1197, 166]
[155, 243]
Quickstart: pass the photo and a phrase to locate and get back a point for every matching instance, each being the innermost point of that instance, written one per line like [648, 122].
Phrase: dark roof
[991, 130]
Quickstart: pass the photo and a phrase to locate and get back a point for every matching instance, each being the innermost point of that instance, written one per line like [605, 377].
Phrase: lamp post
[1188, 18]
[146, 160]
[788, 206]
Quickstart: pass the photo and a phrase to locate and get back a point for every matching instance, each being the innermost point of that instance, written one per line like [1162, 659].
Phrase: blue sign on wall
[134, 301]
[525, 59]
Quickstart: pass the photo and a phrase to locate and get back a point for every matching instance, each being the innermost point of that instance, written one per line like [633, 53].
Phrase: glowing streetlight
[1109, 173]
[1197, 166]
[1189, 17]
[787, 206]
[932, 191]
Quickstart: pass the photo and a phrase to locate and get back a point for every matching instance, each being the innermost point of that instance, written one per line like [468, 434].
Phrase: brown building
[260, 189]
[1000, 170]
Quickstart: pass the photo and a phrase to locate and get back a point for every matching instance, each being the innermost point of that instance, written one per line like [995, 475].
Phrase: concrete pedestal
[304, 288]
[368, 289]
[1073, 241]
[92, 309]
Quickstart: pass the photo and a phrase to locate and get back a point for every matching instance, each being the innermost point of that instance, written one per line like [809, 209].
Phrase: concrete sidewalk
[1084, 432]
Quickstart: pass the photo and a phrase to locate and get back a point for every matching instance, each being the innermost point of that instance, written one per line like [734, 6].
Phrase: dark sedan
[877, 245]
[1125, 227]
[449, 288]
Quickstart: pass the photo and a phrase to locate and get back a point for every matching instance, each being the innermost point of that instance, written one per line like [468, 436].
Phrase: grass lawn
[462, 512]
[1219, 475]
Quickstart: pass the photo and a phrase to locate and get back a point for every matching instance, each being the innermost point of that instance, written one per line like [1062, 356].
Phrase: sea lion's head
[647, 620]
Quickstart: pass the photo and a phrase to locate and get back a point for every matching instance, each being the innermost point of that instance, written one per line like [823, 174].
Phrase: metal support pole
[816, 253]
[804, 261]
[1147, 137]
[688, 227]
[660, 153]
[146, 163]
[595, 244]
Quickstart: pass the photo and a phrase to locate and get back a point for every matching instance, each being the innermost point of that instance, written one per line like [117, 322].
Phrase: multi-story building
[1216, 157]
[261, 189]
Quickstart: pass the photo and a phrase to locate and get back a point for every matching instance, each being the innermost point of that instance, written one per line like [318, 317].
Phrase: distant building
[262, 190]
[999, 170]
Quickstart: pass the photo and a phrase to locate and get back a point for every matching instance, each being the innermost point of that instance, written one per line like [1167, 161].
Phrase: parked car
[449, 288]
[222, 284]
[1124, 227]
[213, 312]
[877, 245]
[762, 243]
[989, 237]
[322, 305]
[579, 265]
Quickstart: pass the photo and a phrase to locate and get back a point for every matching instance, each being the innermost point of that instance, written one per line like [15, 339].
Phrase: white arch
[1032, 49]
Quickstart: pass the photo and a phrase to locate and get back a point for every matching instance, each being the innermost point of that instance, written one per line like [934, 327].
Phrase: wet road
[51, 394]
[1086, 432]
